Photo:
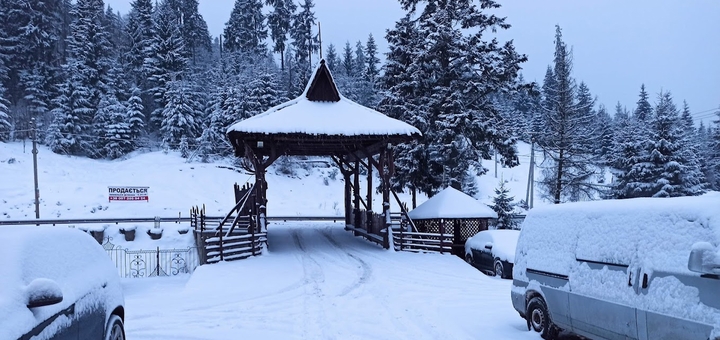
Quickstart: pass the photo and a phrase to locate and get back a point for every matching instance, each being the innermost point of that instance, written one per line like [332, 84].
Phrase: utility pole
[495, 163]
[35, 168]
[531, 176]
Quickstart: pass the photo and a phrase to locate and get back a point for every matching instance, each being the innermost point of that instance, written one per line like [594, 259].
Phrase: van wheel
[115, 329]
[499, 270]
[468, 259]
[539, 319]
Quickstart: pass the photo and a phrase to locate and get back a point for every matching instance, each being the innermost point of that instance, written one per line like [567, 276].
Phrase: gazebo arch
[321, 122]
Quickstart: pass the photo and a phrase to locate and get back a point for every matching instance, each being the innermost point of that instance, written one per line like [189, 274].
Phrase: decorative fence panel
[152, 263]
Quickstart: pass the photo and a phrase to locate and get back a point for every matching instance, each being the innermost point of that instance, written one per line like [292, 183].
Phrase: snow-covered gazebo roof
[319, 122]
[452, 204]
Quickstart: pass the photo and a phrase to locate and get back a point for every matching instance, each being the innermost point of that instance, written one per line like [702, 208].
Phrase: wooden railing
[234, 247]
[423, 242]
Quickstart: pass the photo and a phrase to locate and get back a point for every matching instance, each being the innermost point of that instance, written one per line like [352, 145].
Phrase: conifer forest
[88, 81]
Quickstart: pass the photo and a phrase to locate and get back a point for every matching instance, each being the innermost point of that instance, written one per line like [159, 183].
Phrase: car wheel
[499, 269]
[539, 319]
[468, 259]
[115, 329]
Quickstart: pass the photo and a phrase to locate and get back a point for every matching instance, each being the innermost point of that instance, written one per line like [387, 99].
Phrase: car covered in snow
[644, 268]
[493, 251]
[57, 283]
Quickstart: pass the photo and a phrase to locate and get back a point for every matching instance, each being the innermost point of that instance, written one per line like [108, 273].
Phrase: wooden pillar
[369, 223]
[385, 176]
[348, 198]
[356, 193]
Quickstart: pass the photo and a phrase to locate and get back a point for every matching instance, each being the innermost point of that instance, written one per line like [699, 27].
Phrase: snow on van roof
[451, 203]
[643, 235]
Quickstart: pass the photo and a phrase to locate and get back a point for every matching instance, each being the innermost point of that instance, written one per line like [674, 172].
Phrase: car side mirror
[488, 245]
[704, 259]
[43, 292]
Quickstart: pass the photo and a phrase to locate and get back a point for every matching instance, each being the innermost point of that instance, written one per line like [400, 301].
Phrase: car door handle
[630, 279]
[645, 281]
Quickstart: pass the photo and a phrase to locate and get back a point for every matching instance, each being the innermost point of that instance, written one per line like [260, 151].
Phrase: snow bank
[69, 257]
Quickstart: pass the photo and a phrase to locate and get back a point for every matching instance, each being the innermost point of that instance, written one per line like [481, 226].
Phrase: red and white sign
[128, 194]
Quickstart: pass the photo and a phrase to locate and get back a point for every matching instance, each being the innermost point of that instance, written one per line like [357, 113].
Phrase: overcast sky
[618, 44]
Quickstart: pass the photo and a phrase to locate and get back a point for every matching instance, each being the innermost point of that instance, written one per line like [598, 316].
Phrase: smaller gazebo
[452, 211]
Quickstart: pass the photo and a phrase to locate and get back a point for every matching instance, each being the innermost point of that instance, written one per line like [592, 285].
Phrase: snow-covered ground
[75, 187]
[317, 281]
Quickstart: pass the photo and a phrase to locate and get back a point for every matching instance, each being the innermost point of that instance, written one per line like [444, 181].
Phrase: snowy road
[319, 282]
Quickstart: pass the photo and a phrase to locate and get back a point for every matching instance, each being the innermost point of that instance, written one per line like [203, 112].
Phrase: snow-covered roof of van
[649, 232]
[451, 203]
[322, 110]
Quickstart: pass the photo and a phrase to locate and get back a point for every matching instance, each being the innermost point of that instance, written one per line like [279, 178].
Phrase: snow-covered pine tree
[305, 44]
[279, 21]
[400, 102]
[504, 207]
[568, 166]
[262, 94]
[181, 116]
[604, 134]
[659, 170]
[71, 130]
[135, 117]
[246, 31]
[112, 129]
[194, 30]
[693, 179]
[31, 39]
[5, 125]
[332, 59]
[372, 61]
[347, 68]
[454, 87]
[714, 161]
[167, 61]
[140, 29]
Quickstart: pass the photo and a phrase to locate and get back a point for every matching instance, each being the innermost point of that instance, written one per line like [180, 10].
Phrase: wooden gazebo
[452, 212]
[321, 122]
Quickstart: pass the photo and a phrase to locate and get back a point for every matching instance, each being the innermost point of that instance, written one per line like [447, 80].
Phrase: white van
[646, 268]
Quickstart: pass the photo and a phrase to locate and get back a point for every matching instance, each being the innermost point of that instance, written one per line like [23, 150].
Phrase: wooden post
[442, 234]
[348, 199]
[369, 224]
[356, 192]
[221, 246]
[385, 176]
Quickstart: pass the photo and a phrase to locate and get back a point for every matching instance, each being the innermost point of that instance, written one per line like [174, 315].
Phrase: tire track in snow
[313, 303]
[365, 269]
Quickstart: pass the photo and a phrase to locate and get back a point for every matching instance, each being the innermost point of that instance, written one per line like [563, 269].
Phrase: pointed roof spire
[322, 87]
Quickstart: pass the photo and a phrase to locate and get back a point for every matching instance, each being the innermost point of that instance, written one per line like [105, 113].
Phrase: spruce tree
[714, 161]
[262, 94]
[5, 125]
[246, 31]
[604, 136]
[140, 29]
[305, 43]
[181, 115]
[113, 131]
[135, 117]
[453, 87]
[503, 206]
[279, 21]
[167, 62]
[347, 68]
[194, 30]
[568, 166]
[693, 180]
[332, 59]
[372, 61]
